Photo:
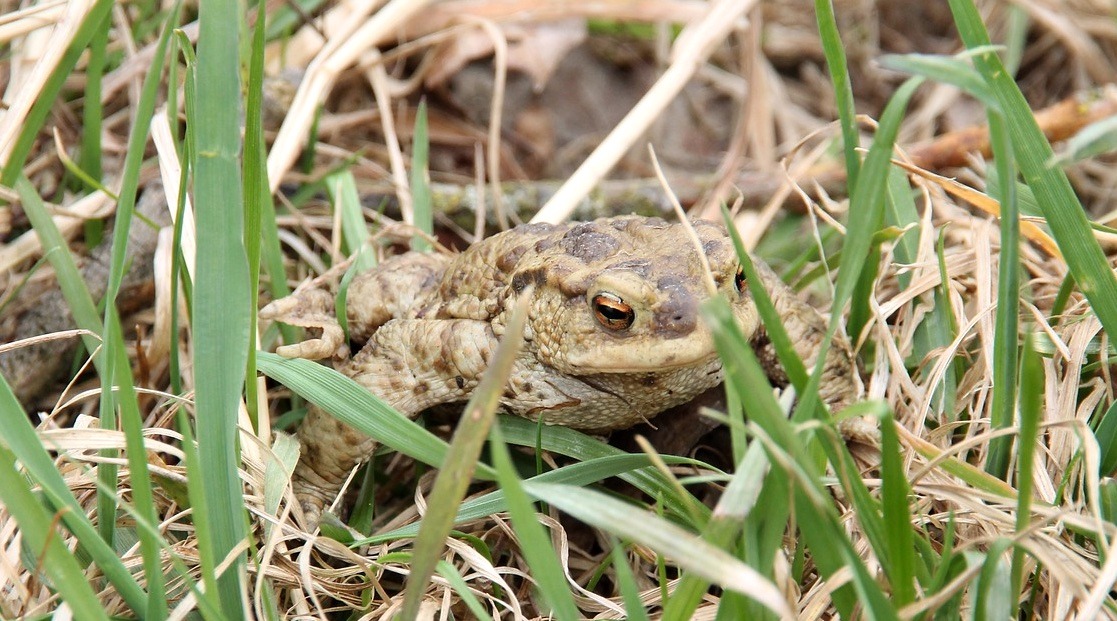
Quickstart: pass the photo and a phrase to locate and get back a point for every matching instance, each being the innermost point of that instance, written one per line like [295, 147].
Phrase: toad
[613, 335]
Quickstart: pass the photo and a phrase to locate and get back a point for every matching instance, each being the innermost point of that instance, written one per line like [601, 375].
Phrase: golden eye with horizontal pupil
[740, 281]
[611, 312]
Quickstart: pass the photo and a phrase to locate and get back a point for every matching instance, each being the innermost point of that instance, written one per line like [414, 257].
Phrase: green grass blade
[773, 324]
[626, 584]
[180, 274]
[732, 510]
[355, 406]
[84, 311]
[454, 577]
[895, 491]
[37, 530]
[69, 278]
[92, 110]
[623, 465]
[1052, 189]
[134, 157]
[934, 332]
[1006, 339]
[131, 423]
[222, 300]
[1031, 410]
[689, 551]
[575, 444]
[831, 549]
[257, 197]
[866, 213]
[1106, 435]
[867, 198]
[1016, 36]
[20, 439]
[1095, 139]
[535, 542]
[342, 188]
[461, 460]
[420, 180]
[948, 70]
[834, 51]
[995, 600]
[199, 504]
[48, 95]
[118, 373]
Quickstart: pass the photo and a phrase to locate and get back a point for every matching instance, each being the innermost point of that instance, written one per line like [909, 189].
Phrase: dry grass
[370, 70]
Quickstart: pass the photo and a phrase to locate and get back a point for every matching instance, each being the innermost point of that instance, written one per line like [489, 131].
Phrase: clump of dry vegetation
[991, 491]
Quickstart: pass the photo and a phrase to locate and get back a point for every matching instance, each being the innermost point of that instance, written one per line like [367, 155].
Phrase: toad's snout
[676, 316]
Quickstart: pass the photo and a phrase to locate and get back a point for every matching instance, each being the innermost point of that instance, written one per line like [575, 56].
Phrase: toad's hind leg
[411, 365]
[398, 288]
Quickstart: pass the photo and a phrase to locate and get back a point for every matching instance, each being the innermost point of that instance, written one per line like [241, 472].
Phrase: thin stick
[381, 89]
[692, 48]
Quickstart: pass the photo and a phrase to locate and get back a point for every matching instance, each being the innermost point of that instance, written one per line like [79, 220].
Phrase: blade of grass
[131, 423]
[222, 299]
[953, 70]
[896, 513]
[47, 97]
[257, 197]
[867, 199]
[1031, 408]
[454, 577]
[773, 324]
[1106, 435]
[84, 311]
[118, 375]
[934, 332]
[726, 523]
[1052, 189]
[575, 444]
[420, 180]
[92, 110]
[354, 405]
[994, 599]
[1006, 339]
[37, 530]
[461, 460]
[1095, 139]
[181, 277]
[821, 527]
[199, 504]
[20, 439]
[535, 542]
[834, 51]
[624, 466]
[342, 188]
[865, 216]
[689, 551]
[626, 584]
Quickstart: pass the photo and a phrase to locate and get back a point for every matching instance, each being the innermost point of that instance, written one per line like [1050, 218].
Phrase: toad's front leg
[411, 364]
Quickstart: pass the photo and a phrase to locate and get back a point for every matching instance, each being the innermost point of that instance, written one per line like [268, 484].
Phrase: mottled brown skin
[430, 323]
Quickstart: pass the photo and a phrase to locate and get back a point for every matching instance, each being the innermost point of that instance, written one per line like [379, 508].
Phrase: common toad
[613, 337]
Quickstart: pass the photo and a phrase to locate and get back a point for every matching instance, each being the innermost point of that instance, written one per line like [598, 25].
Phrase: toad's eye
[740, 281]
[611, 312]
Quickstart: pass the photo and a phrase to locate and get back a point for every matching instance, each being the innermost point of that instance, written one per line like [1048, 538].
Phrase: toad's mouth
[647, 355]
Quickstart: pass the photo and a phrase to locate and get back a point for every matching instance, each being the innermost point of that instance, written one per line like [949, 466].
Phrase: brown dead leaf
[533, 48]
